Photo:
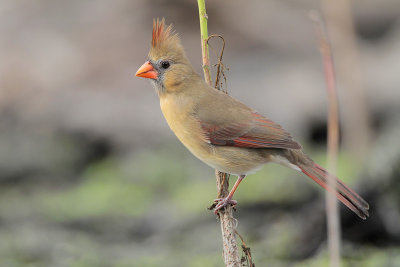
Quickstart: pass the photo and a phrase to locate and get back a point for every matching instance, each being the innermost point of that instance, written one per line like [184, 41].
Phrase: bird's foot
[223, 202]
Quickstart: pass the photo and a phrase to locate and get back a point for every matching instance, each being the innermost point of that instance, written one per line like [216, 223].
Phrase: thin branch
[332, 210]
[356, 125]
[247, 259]
[228, 223]
[204, 35]
[220, 65]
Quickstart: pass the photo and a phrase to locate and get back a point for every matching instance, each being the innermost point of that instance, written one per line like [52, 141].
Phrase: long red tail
[347, 196]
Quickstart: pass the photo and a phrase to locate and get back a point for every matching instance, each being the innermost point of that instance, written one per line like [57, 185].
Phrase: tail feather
[346, 195]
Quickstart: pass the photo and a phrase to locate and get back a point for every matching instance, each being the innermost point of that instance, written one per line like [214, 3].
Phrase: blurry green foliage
[132, 187]
[103, 191]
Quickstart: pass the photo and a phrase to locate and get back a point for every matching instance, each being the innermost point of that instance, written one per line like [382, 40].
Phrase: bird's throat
[159, 87]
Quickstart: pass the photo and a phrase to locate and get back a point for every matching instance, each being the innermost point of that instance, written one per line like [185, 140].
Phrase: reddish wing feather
[258, 133]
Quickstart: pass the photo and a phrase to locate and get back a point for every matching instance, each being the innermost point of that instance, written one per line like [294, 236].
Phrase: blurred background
[91, 175]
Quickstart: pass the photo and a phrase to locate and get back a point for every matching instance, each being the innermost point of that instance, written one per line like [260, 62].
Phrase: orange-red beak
[147, 71]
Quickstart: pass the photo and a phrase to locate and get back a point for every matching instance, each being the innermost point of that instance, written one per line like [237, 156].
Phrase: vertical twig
[340, 26]
[204, 35]
[332, 210]
[228, 223]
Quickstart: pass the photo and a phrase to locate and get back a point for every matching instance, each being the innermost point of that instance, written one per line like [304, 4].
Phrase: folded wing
[255, 131]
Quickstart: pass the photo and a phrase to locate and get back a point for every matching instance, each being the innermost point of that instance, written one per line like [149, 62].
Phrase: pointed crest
[161, 32]
[165, 43]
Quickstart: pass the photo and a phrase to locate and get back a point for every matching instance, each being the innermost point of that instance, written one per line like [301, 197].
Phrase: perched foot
[222, 202]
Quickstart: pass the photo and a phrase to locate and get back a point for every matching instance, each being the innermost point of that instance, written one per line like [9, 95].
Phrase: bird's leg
[222, 202]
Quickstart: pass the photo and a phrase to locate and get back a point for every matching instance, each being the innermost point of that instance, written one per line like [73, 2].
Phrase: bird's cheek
[172, 82]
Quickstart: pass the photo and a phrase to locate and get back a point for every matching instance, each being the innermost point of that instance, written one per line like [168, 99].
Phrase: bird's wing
[234, 124]
[259, 132]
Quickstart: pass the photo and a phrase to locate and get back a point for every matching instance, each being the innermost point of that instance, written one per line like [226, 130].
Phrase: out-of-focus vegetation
[90, 174]
[150, 209]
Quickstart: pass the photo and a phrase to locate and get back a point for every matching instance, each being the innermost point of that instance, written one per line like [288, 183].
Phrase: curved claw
[223, 202]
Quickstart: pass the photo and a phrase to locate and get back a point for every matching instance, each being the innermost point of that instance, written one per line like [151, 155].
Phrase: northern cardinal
[221, 131]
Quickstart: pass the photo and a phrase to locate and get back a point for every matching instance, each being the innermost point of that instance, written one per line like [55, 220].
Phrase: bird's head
[167, 64]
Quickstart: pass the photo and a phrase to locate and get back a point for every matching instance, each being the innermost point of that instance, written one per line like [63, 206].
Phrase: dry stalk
[332, 210]
[247, 259]
[356, 126]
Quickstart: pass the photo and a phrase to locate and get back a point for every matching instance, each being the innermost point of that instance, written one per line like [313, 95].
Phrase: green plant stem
[204, 35]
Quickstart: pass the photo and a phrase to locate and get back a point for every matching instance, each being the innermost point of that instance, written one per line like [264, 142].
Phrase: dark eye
[165, 64]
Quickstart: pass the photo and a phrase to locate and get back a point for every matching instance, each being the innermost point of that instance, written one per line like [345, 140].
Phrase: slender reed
[332, 209]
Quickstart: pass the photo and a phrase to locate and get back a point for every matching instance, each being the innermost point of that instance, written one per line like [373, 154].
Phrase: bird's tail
[347, 196]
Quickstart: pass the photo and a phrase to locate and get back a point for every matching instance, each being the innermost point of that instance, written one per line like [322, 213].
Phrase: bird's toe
[223, 202]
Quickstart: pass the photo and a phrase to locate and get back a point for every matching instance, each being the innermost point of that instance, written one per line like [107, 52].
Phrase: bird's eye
[165, 64]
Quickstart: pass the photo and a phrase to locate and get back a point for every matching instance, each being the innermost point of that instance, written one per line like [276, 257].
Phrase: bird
[220, 130]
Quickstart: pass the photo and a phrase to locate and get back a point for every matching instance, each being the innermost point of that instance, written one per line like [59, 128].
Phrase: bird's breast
[179, 116]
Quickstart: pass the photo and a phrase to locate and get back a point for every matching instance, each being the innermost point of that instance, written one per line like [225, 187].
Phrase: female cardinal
[221, 131]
